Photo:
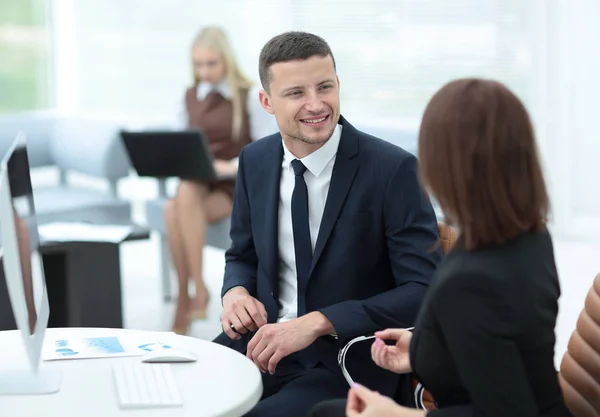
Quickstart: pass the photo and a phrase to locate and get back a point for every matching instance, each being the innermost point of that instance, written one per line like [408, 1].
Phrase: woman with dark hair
[484, 340]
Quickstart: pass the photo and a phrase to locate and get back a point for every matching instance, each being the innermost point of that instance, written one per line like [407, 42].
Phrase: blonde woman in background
[224, 105]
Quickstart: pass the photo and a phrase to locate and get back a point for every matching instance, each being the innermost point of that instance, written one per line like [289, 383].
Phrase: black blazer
[374, 255]
[484, 340]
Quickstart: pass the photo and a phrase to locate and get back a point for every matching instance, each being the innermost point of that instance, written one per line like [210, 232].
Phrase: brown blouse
[214, 116]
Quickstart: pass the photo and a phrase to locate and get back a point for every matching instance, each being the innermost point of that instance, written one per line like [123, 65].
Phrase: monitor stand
[25, 382]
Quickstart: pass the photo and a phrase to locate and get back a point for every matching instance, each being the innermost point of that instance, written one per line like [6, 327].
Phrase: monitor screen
[27, 232]
[21, 259]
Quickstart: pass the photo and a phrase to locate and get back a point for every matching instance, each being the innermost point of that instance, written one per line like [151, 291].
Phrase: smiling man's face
[304, 96]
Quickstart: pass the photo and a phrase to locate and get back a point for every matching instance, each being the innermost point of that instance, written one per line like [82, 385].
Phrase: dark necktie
[301, 228]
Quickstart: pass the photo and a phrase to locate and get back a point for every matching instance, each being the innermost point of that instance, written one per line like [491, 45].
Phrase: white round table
[221, 383]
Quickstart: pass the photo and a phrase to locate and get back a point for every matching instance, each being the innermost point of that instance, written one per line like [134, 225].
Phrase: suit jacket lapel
[269, 185]
[344, 170]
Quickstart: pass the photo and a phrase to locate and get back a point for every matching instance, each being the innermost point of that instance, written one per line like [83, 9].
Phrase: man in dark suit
[332, 236]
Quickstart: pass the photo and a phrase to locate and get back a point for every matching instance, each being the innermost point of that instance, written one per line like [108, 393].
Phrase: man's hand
[242, 310]
[274, 342]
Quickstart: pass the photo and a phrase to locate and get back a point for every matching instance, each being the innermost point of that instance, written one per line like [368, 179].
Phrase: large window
[131, 58]
[393, 55]
[24, 55]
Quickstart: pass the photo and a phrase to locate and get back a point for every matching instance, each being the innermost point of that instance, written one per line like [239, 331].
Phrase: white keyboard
[146, 385]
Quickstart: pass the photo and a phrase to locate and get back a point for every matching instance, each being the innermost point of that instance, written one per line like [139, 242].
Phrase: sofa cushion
[79, 204]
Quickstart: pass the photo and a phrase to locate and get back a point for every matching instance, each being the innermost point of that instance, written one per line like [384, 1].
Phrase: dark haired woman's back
[484, 341]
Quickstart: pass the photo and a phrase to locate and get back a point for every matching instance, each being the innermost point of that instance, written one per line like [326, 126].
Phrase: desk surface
[137, 233]
[101, 216]
[221, 383]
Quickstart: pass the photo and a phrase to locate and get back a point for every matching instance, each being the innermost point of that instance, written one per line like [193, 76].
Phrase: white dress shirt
[260, 122]
[319, 166]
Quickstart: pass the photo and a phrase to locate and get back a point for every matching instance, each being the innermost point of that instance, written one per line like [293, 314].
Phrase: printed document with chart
[103, 347]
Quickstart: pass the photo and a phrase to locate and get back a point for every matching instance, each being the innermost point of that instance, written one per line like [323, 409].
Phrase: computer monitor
[24, 274]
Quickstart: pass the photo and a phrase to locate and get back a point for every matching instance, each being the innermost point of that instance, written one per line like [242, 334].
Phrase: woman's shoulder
[537, 244]
[508, 265]
[191, 89]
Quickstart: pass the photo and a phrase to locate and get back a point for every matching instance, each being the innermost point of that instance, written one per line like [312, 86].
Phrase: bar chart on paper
[100, 347]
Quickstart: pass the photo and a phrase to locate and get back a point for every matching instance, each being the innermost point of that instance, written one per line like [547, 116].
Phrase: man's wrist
[319, 324]
[233, 289]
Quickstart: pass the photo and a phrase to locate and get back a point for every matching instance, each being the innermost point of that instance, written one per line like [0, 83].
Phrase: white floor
[578, 263]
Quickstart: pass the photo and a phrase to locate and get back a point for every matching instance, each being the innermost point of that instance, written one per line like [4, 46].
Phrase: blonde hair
[214, 38]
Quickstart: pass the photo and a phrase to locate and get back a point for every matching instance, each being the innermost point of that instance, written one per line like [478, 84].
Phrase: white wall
[571, 142]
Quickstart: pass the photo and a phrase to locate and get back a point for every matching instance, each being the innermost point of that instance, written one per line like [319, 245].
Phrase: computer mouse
[169, 356]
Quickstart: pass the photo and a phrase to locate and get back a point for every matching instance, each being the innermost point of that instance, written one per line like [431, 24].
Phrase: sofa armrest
[91, 147]
[37, 126]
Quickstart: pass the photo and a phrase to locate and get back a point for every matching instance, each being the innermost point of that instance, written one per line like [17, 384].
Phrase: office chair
[580, 367]
[422, 398]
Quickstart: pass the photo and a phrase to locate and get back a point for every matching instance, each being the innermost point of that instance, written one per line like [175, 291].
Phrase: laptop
[162, 154]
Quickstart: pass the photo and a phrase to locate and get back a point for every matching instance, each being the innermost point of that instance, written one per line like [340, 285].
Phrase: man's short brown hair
[478, 157]
[290, 46]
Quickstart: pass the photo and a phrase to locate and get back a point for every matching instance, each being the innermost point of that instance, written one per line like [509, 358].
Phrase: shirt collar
[205, 88]
[318, 160]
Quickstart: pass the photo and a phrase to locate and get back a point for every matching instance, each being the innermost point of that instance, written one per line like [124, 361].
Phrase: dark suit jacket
[484, 340]
[376, 248]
